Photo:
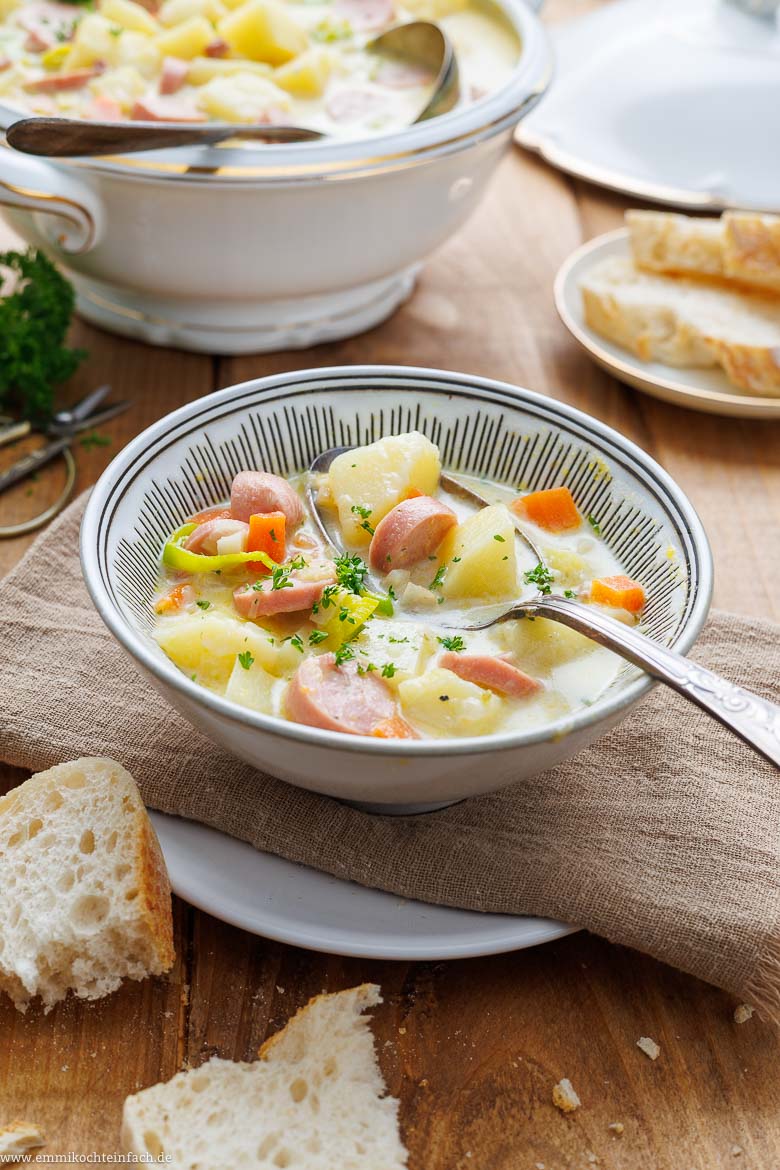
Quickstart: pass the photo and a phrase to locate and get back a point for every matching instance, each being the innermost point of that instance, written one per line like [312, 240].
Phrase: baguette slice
[739, 247]
[17, 1138]
[86, 899]
[313, 1101]
[684, 322]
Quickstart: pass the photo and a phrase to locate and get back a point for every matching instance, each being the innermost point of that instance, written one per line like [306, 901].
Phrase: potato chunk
[207, 645]
[379, 476]
[245, 97]
[308, 74]
[186, 40]
[479, 557]
[445, 704]
[399, 650]
[203, 69]
[263, 30]
[252, 687]
[128, 14]
[177, 11]
[540, 645]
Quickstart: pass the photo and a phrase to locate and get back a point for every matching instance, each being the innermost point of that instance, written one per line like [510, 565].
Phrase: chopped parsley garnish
[456, 560]
[541, 577]
[351, 572]
[297, 641]
[201, 604]
[388, 670]
[594, 524]
[438, 580]
[364, 512]
[500, 539]
[246, 659]
[569, 593]
[391, 593]
[317, 636]
[344, 654]
[280, 578]
[455, 643]
[392, 638]
[365, 669]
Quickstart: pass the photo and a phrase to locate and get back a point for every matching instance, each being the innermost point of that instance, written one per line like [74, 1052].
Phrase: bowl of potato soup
[341, 657]
[246, 246]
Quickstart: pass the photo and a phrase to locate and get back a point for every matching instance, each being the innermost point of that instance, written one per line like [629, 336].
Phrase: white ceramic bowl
[269, 247]
[187, 460]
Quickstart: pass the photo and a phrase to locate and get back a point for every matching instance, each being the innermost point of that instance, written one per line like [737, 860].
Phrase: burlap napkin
[664, 836]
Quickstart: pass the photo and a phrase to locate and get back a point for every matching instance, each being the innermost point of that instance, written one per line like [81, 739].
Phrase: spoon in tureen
[754, 719]
[419, 44]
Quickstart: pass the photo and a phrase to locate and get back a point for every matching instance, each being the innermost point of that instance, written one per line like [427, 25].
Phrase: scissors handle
[30, 463]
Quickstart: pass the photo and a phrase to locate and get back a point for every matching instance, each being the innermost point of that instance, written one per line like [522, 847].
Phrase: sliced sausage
[217, 512]
[217, 48]
[495, 673]
[337, 698]
[410, 532]
[355, 105]
[403, 75]
[77, 79]
[174, 74]
[302, 590]
[258, 492]
[204, 538]
[364, 15]
[166, 108]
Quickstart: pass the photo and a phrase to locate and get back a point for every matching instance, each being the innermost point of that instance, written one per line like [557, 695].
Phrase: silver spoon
[419, 42]
[754, 719]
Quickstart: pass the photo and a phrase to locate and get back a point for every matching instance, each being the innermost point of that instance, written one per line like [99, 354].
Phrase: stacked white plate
[673, 101]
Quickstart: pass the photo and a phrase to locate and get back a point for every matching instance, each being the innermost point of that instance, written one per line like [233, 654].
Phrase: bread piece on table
[684, 322]
[741, 246]
[18, 1138]
[86, 899]
[313, 1101]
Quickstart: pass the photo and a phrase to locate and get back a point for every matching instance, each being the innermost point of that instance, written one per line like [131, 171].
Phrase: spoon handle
[68, 138]
[752, 718]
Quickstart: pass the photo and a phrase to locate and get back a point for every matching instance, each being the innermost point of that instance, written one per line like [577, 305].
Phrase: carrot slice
[553, 509]
[619, 592]
[412, 493]
[394, 728]
[267, 534]
[177, 597]
[220, 512]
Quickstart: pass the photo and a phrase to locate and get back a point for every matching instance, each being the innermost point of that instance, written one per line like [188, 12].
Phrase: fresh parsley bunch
[34, 319]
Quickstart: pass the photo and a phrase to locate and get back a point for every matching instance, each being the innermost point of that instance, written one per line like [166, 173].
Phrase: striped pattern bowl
[186, 461]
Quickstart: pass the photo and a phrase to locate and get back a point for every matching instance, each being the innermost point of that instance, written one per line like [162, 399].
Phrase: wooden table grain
[472, 1048]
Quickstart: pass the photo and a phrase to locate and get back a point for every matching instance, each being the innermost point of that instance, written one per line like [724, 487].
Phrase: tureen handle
[74, 214]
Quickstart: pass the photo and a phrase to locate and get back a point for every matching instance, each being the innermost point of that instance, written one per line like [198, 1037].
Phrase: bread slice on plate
[315, 1100]
[741, 247]
[86, 898]
[17, 1138]
[686, 322]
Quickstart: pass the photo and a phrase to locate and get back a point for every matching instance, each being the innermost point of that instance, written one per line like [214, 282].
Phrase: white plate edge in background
[289, 903]
[715, 395]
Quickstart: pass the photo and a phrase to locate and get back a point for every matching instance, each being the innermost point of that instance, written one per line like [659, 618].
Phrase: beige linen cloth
[663, 836]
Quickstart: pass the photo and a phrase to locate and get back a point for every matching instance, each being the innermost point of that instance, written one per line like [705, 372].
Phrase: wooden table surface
[472, 1048]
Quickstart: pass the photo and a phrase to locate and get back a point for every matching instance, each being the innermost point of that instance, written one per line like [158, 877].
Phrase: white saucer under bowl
[705, 390]
[277, 899]
[673, 101]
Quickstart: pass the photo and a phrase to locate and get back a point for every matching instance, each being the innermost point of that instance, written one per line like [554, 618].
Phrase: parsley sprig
[541, 577]
[34, 319]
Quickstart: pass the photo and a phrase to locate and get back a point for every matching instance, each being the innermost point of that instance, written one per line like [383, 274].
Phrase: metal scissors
[63, 426]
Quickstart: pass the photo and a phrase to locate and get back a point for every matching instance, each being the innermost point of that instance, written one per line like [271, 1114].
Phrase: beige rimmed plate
[705, 390]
